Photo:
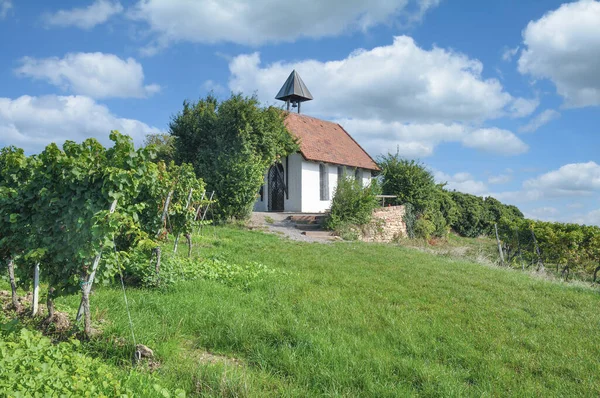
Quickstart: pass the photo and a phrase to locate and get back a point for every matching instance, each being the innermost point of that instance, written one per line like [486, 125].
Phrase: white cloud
[546, 213]
[398, 95]
[522, 107]
[416, 140]
[268, 21]
[495, 140]
[509, 53]
[500, 179]
[399, 82]
[33, 122]
[423, 6]
[213, 86]
[591, 218]
[96, 13]
[5, 7]
[410, 140]
[570, 180]
[462, 182]
[518, 196]
[564, 46]
[97, 75]
[541, 119]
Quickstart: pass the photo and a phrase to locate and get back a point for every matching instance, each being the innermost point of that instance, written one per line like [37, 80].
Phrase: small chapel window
[324, 181]
[340, 173]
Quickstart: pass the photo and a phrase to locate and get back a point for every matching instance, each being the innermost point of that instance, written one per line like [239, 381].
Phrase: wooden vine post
[199, 206]
[163, 218]
[36, 289]
[499, 245]
[86, 285]
[206, 210]
[189, 239]
[13, 284]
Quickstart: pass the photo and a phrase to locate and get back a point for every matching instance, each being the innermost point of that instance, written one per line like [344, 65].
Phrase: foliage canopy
[231, 144]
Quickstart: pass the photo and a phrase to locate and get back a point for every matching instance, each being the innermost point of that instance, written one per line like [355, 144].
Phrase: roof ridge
[310, 117]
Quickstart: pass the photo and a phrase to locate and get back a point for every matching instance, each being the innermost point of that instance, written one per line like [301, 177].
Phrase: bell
[294, 104]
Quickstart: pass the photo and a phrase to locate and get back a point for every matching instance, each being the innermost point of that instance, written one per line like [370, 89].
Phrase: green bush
[424, 228]
[30, 365]
[471, 215]
[352, 203]
[477, 216]
[347, 231]
[408, 180]
[438, 220]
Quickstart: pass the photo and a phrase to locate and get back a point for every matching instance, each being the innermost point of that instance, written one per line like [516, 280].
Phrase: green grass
[353, 319]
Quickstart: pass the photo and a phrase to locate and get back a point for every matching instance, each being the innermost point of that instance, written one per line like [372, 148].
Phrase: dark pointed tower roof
[294, 89]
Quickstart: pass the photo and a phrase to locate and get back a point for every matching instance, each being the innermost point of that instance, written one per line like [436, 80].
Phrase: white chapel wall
[311, 187]
[294, 183]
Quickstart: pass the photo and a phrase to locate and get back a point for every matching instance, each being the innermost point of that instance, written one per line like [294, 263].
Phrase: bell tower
[294, 92]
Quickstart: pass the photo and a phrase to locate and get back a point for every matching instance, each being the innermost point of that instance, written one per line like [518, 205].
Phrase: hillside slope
[357, 319]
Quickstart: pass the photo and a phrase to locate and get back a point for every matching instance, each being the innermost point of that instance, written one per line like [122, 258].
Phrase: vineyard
[82, 214]
[256, 315]
[568, 249]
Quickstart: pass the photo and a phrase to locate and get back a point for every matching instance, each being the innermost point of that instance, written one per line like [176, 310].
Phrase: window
[357, 174]
[324, 181]
[340, 174]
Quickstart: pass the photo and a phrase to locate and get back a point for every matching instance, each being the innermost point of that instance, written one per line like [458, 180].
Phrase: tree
[471, 215]
[163, 146]
[231, 144]
[409, 180]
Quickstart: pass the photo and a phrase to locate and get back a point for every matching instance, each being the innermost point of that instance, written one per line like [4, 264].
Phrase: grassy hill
[354, 319]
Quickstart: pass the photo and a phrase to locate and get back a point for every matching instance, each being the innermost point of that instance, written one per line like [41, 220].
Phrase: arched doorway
[276, 188]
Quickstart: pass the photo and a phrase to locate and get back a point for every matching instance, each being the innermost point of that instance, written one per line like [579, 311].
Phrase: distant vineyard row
[567, 248]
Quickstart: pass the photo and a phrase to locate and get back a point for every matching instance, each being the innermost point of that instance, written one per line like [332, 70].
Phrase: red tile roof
[323, 141]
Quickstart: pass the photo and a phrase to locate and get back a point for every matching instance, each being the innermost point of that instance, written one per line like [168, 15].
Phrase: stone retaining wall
[387, 225]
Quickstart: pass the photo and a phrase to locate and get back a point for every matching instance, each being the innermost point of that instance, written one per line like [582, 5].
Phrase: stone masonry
[387, 225]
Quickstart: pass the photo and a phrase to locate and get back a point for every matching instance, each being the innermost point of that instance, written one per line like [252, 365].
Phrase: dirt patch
[212, 359]
[59, 322]
[207, 358]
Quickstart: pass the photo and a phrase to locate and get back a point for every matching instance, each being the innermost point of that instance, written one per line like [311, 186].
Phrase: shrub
[30, 365]
[409, 180]
[347, 231]
[424, 228]
[441, 227]
[352, 204]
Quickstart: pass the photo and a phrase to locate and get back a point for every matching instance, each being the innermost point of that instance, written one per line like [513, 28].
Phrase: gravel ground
[278, 223]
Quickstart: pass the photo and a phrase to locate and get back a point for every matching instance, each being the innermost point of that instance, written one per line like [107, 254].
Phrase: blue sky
[498, 98]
